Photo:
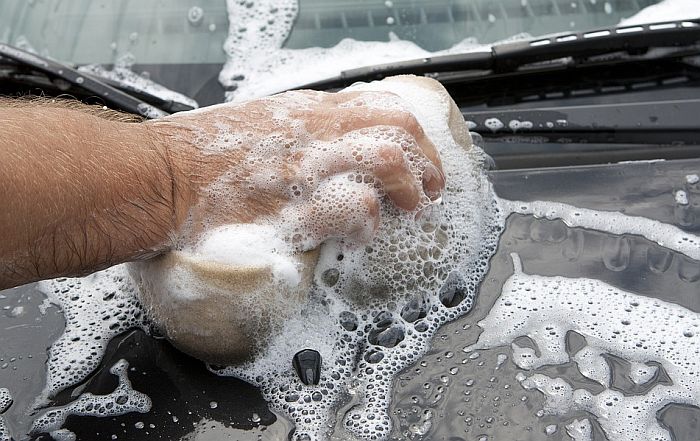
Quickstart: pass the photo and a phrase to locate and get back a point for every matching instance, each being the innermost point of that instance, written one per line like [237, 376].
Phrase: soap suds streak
[580, 430]
[5, 399]
[4, 430]
[122, 74]
[96, 308]
[5, 402]
[664, 234]
[635, 328]
[122, 400]
[257, 65]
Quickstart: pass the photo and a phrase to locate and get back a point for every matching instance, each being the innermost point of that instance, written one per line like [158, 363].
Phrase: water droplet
[195, 15]
[330, 277]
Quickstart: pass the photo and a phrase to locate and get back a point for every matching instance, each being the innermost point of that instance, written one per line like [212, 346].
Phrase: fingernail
[433, 182]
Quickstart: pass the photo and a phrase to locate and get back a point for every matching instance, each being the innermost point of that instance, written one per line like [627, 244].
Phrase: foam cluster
[4, 430]
[664, 234]
[641, 330]
[254, 28]
[580, 430]
[96, 308]
[373, 309]
[257, 65]
[5, 399]
[123, 74]
[5, 402]
[124, 399]
[251, 245]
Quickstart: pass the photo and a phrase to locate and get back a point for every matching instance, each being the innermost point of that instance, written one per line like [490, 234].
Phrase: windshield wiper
[124, 79]
[57, 71]
[510, 57]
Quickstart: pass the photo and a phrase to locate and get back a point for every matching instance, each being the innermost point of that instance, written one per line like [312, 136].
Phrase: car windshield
[183, 44]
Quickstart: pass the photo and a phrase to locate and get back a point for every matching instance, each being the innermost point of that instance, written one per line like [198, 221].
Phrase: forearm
[80, 193]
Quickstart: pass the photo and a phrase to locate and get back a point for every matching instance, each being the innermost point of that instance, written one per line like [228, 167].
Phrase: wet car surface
[448, 394]
[627, 109]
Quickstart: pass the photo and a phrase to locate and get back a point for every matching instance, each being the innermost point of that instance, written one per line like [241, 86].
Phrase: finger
[384, 108]
[398, 181]
[349, 111]
[433, 182]
[354, 118]
[340, 208]
[387, 163]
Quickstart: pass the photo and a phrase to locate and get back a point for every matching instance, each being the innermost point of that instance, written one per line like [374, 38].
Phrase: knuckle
[392, 155]
[409, 122]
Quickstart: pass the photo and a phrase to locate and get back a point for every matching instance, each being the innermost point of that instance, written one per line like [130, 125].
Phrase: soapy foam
[580, 430]
[5, 402]
[285, 69]
[376, 307]
[249, 245]
[96, 308]
[635, 328]
[63, 435]
[681, 197]
[5, 399]
[257, 65]
[4, 430]
[666, 10]
[122, 74]
[122, 400]
[664, 234]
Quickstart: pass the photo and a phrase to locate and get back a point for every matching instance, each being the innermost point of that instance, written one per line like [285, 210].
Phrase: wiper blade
[508, 57]
[53, 69]
[124, 79]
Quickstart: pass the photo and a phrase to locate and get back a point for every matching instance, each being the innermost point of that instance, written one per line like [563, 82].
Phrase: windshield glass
[440, 24]
[182, 44]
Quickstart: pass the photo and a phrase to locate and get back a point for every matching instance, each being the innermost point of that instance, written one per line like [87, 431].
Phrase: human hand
[317, 163]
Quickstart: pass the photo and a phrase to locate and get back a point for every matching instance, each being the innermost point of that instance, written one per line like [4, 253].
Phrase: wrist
[171, 141]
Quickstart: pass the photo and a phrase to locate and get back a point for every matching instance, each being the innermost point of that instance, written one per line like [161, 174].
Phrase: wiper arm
[508, 57]
[53, 69]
